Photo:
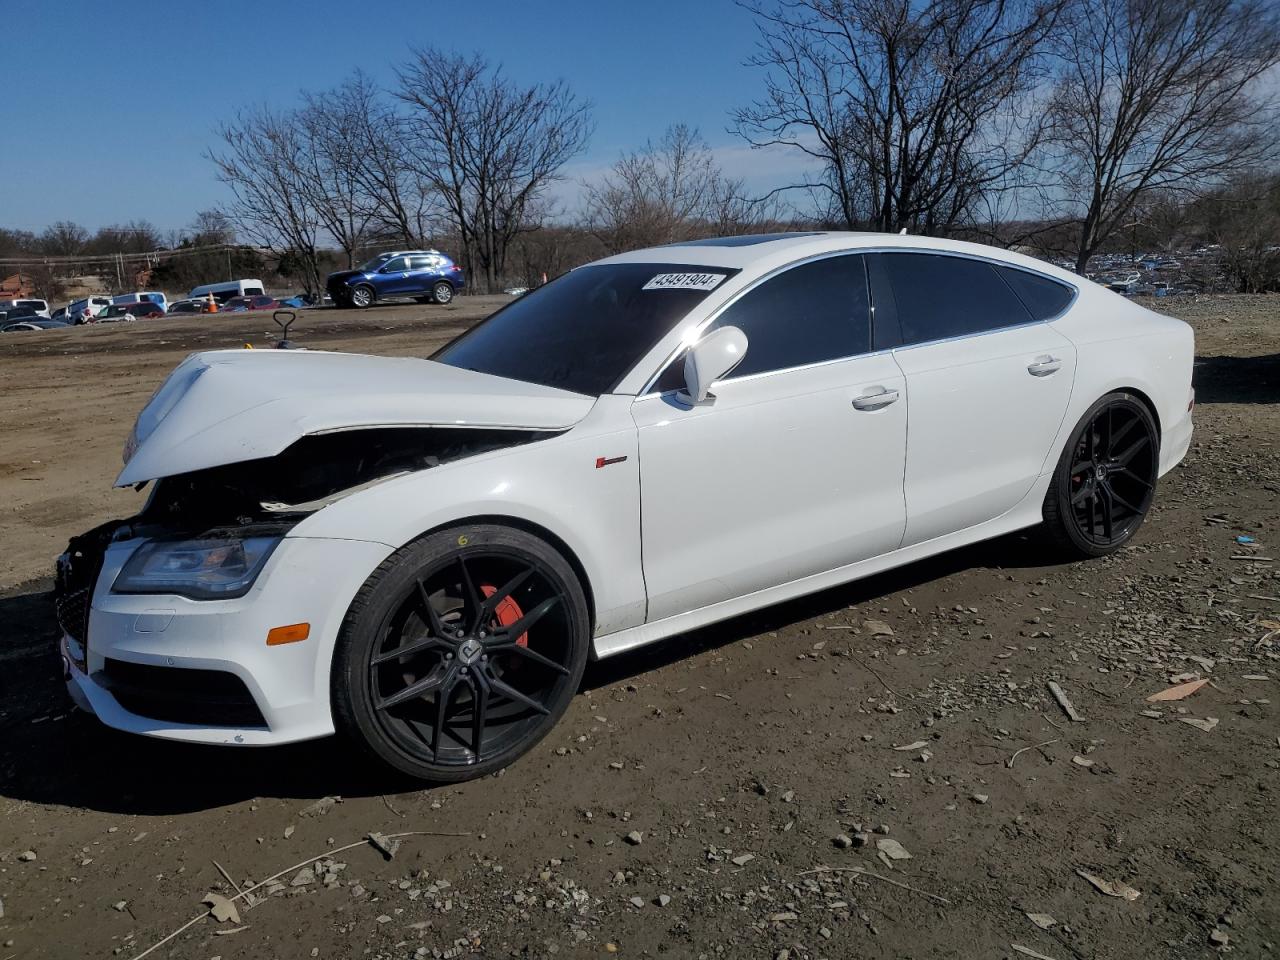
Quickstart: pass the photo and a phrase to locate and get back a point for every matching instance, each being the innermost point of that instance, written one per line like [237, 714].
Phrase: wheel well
[541, 533]
[1146, 402]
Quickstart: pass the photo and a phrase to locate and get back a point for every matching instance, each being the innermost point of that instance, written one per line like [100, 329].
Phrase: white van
[86, 308]
[143, 296]
[41, 307]
[222, 292]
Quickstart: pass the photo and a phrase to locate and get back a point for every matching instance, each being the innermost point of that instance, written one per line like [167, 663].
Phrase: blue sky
[115, 104]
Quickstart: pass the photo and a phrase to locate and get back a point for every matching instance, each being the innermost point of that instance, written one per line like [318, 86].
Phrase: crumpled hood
[228, 406]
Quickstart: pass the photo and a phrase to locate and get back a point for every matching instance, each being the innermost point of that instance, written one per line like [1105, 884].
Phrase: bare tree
[264, 162]
[1158, 96]
[913, 110]
[664, 192]
[63, 239]
[488, 147]
[332, 157]
[401, 202]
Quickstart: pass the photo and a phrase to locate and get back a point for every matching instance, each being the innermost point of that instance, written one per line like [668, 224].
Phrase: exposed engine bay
[312, 473]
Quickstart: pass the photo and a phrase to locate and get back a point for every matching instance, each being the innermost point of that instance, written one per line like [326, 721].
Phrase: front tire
[362, 296]
[461, 652]
[1105, 478]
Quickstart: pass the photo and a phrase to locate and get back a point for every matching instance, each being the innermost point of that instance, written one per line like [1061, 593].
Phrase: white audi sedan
[422, 554]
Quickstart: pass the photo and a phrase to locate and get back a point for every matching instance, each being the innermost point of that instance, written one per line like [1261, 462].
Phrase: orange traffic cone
[213, 305]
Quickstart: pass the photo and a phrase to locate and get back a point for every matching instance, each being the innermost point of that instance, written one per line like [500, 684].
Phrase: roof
[761, 253]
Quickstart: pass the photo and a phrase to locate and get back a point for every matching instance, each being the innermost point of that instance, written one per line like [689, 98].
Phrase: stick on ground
[1067, 706]
[297, 866]
[863, 871]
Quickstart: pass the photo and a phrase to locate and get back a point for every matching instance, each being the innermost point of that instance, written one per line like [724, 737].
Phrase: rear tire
[460, 653]
[442, 293]
[1105, 479]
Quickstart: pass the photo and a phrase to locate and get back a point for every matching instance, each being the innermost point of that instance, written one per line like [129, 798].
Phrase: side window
[395, 265]
[253, 292]
[420, 263]
[1045, 298]
[936, 296]
[814, 312]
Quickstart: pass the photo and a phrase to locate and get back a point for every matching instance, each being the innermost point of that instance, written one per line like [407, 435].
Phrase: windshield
[370, 265]
[585, 330]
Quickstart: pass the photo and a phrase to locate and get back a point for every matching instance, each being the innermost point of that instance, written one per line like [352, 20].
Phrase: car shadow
[1237, 379]
[52, 753]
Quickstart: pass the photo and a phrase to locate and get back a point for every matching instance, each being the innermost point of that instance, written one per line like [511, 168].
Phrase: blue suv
[426, 275]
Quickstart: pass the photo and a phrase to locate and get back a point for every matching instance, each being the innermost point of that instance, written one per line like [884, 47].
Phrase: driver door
[393, 277]
[795, 467]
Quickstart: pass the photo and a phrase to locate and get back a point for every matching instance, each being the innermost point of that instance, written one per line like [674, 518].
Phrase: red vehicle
[240, 304]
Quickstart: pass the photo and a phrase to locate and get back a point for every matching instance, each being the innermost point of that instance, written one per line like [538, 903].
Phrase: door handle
[1043, 366]
[875, 399]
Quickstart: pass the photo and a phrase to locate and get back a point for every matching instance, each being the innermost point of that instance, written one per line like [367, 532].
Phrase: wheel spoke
[1133, 475]
[495, 599]
[1121, 500]
[479, 710]
[405, 649]
[536, 657]
[521, 626]
[1107, 508]
[511, 693]
[1086, 490]
[1124, 432]
[411, 692]
[1132, 450]
[433, 617]
[1082, 467]
[473, 595]
[442, 704]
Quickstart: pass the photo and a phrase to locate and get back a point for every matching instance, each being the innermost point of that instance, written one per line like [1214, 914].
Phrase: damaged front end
[208, 532]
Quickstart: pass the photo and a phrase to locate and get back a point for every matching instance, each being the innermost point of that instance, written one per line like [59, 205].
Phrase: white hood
[228, 406]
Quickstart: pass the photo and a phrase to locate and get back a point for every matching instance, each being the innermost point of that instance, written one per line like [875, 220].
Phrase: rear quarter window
[1044, 298]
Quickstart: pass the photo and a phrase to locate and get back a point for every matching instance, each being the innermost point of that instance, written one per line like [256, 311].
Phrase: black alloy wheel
[461, 652]
[1106, 477]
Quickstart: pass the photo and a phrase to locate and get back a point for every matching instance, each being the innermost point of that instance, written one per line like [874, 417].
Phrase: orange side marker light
[290, 634]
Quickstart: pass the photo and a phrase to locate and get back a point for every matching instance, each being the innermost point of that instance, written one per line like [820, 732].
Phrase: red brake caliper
[507, 612]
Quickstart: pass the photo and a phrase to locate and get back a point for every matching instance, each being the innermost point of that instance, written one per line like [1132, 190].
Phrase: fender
[553, 483]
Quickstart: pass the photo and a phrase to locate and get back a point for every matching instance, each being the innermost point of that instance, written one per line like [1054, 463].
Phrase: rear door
[423, 271]
[988, 382]
[795, 467]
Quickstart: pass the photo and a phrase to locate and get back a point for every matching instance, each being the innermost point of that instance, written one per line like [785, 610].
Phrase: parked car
[32, 323]
[225, 290]
[427, 276]
[197, 305]
[40, 307]
[23, 312]
[145, 310]
[116, 313]
[86, 308]
[143, 296]
[241, 304]
[296, 302]
[422, 555]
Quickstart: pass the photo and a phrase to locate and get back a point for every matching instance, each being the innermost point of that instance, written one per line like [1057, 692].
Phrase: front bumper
[182, 657]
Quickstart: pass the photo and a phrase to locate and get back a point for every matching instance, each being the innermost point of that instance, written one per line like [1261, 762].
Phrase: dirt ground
[741, 755]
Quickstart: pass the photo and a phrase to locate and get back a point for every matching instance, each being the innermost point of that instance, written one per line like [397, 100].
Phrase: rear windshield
[585, 330]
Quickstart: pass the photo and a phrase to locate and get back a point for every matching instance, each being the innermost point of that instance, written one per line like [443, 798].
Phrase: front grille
[72, 611]
[212, 698]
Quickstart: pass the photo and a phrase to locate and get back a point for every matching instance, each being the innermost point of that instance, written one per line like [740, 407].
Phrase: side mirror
[710, 359]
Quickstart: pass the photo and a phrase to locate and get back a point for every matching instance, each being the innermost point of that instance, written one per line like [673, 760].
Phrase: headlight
[207, 569]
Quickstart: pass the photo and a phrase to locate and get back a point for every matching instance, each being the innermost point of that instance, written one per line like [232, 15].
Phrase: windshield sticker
[684, 281]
